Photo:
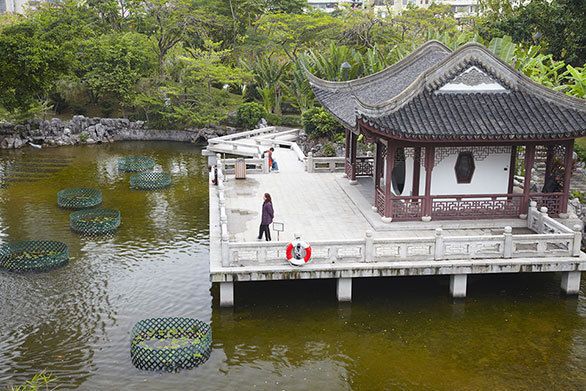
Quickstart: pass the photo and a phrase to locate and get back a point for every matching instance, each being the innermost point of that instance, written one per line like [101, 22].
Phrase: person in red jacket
[272, 162]
[267, 218]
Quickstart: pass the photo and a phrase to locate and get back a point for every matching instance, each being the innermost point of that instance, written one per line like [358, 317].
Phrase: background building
[384, 7]
[16, 6]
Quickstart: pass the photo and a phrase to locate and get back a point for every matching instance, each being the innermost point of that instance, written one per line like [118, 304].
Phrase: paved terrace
[349, 239]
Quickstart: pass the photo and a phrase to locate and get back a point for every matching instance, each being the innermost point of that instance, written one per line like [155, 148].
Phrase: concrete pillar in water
[344, 289]
[227, 294]
[458, 285]
[571, 282]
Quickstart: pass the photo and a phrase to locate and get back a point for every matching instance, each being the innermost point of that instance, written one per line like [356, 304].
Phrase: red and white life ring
[298, 253]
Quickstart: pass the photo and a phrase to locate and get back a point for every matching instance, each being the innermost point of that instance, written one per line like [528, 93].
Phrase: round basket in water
[79, 198]
[37, 255]
[135, 164]
[95, 221]
[170, 344]
[150, 181]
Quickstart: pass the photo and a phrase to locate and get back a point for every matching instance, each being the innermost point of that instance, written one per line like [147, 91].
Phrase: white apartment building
[14, 6]
[384, 7]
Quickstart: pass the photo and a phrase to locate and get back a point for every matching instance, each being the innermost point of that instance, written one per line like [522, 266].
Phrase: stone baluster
[508, 243]
[439, 244]
[369, 247]
[309, 163]
[577, 245]
[541, 221]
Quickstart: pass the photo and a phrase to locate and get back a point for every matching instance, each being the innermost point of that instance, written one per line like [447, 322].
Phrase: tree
[293, 34]
[114, 65]
[205, 65]
[560, 23]
[167, 23]
[29, 66]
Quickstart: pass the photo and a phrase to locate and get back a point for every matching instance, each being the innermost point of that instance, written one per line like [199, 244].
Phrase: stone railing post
[309, 163]
[531, 214]
[265, 165]
[225, 247]
[577, 240]
[439, 244]
[542, 216]
[369, 247]
[508, 243]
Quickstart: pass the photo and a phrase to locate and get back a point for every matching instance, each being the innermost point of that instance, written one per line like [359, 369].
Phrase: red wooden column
[353, 141]
[529, 160]
[391, 151]
[429, 162]
[416, 171]
[377, 167]
[512, 166]
[567, 175]
[347, 154]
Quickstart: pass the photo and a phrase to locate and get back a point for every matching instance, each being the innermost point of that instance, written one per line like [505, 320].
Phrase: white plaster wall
[491, 176]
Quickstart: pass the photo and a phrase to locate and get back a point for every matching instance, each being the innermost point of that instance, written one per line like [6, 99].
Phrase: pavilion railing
[552, 201]
[477, 206]
[380, 201]
[364, 166]
[446, 207]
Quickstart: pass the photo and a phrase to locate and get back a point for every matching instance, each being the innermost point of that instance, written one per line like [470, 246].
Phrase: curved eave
[457, 139]
[446, 69]
[335, 86]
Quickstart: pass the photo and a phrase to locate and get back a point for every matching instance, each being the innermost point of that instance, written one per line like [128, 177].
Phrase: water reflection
[512, 332]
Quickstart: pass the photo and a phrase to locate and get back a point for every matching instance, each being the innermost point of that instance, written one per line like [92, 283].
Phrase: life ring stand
[295, 251]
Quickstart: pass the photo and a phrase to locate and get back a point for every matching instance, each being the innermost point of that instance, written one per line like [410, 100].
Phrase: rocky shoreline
[83, 130]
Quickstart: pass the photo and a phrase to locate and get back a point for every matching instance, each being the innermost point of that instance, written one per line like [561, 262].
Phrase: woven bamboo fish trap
[150, 181]
[95, 221]
[135, 164]
[79, 198]
[36, 255]
[170, 344]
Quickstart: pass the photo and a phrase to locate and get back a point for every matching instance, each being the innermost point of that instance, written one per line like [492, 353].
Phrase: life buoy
[298, 253]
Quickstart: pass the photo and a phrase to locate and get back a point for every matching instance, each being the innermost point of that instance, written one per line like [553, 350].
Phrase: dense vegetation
[190, 63]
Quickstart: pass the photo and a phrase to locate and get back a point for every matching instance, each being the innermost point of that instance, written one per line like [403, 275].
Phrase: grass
[40, 382]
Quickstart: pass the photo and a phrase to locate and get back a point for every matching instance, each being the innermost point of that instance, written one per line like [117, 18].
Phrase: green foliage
[39, 382]
[249, 114]
[291, 120]
[114, 63]
[318, 123]
[580, 149]
[329, 150]
[561, 23]
[29, 66]
[273, 119]
[580, 195]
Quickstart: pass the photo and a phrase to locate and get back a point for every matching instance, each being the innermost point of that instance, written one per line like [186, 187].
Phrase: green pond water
[513, 332]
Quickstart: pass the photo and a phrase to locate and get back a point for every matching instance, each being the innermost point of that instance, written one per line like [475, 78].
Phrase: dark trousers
[264, 228]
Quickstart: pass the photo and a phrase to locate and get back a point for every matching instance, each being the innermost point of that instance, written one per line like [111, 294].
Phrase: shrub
[291, 120]
[580, 151]
[249, 114]
[273, 119]
[317, 123]
[329, 150]
[79, 109]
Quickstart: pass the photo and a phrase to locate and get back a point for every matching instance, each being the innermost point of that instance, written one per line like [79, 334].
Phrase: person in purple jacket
[267, 218]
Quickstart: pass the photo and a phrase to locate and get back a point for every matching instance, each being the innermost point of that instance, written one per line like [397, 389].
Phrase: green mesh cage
[37, 255]
[95, 221]
[79, 198]
[150, 181]
[135, 164]
[170, 344]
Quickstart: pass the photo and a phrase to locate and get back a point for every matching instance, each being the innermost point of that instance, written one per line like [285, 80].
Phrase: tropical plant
[318, 123]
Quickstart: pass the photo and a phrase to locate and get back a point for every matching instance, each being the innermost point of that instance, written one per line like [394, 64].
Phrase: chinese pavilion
[449, 130]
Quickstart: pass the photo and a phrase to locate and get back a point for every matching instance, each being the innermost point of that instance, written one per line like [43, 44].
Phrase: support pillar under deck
[458, 285]
[344, 289]
[571, 282]
[227, 294]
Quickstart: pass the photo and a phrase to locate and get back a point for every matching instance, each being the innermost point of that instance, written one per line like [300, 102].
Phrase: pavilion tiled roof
[468, 94]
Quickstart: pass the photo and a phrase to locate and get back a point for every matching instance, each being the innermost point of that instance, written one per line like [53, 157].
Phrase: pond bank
[83, 130]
